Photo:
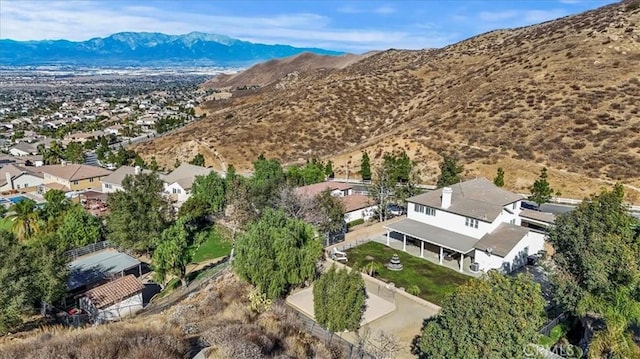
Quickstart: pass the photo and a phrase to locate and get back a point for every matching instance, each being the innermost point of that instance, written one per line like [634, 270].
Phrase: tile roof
[503, 239]
[74, 172]
[478, 198]
[355, 202]
[15, 171]
[114, 291]
[314, 189]
[117, 176]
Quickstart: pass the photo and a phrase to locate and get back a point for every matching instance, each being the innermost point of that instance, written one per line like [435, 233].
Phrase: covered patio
[433, 243]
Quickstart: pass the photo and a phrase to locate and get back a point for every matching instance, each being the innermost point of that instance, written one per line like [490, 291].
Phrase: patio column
[388, 231]
[404, 242]
[461, 261]
[441, 255]
[421, 249]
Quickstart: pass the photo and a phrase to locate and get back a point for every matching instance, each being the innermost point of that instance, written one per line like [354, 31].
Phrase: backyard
[434, 281]
[216, 243]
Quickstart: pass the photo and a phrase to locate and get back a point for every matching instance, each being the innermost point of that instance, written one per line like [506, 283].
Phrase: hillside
[144, 48]
[563, 94]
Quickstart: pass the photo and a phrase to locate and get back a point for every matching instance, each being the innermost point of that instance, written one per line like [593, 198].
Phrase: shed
[114, 300]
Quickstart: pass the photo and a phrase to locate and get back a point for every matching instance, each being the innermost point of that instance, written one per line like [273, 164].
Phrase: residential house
[114, 300]
[17, 177]
[472, 220]
[94, 269]
[23, 149]
[113, 182]
[178, 183]
[72, 177]
[337, 189]
[81, 137]
[358, 206]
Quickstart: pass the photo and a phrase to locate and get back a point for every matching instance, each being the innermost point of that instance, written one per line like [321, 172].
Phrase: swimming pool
[13, 200]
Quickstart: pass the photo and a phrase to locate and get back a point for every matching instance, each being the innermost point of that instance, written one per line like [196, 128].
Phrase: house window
[108, 185]
[514, 205]
[431, 211]
[419, 208]
[512, 221]
[90, 179]
[75, 182]
[176, 190]
[470, 222]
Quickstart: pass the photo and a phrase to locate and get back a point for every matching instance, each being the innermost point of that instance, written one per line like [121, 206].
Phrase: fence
[94, 247]
[351, 351]
[546, 329]
[343, 247]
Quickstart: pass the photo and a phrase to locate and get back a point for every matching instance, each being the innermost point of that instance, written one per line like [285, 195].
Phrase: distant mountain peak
[139, 48]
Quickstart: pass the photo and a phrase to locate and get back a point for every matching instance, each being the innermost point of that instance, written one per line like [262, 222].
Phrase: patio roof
[98, 266]
[434, 235]
[503, 239]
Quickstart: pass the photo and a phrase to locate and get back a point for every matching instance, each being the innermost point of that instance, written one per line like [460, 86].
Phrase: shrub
[355, 223]
[414, 290]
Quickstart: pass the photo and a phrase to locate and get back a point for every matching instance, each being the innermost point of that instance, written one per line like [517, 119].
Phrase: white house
[114, 300]
[474, 220]
[178, 183]
[358, 206]
[16, 177]
[113, 182]
[23, 149]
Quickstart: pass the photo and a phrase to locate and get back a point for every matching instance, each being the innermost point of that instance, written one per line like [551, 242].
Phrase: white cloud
[352, 9]
[81, 20]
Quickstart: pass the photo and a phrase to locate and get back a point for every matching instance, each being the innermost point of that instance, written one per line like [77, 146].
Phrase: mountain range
[562, 94]
[143, 48]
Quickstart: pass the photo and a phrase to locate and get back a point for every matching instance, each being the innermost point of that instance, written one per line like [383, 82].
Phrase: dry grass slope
[562, 94]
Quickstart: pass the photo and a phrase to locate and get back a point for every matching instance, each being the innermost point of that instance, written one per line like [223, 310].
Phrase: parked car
[529, 205]
[395, 210]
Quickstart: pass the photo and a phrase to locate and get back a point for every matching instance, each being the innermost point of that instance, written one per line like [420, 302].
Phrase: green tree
[541, 191]
[54, 154]
[328, 169]
[210, 190]
[50, 271]
[139, 214]
[339, 299]
[449, 171]
[277, 253]
[239, 210]
[53, 210]
[174, 252]
[74, 152]
[381, 190]
[177, 163]
[365, 167]
[79, 228]
[266, 182]
[198, 160]
[492, 317]
[498, 180]
[25, 219]
[326, 213]
[153, 164]
[16, 276]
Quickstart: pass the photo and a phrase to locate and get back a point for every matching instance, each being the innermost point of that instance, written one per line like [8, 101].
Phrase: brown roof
[117, 176]
[58, 186]
[75, 172]
[502, 239]
[355, 202]
[314, 189]
[478, 198]
[15, 171]
[115, 291]
[539, 216]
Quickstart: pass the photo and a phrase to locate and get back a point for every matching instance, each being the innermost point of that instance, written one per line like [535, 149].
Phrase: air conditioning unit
[474, 267]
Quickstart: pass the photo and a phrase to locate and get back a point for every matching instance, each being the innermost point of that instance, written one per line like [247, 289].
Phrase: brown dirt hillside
[563, 94]
[267, 72]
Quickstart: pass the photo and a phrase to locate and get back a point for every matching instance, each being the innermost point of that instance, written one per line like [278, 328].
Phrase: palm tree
[25, 219]
[618, 311]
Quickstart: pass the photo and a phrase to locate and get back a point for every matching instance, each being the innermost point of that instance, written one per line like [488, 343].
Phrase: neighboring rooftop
[314, 189]
[114, 291]
[25, 147]
[117, 176]
[185, 174]
[503, 239]
[74, 172]
[16, 170]
[98, 266]
[538, 216]
[478, 198]
[356, 201]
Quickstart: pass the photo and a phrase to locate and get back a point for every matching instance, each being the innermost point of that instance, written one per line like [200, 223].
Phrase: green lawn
[6, 224]
[434, 281]
[217, 243]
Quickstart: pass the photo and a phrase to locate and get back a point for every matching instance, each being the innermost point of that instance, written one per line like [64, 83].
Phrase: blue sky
[352, 26]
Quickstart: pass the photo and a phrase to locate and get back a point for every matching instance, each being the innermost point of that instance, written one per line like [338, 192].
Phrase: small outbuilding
[114, 300]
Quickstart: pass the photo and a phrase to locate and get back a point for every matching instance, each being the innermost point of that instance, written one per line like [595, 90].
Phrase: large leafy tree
[277, 253]
[268, 178]
[16, 274]
[25, 219]
[449, 171]
[239, 210]
[326, 213]
[139, 214]
[198, 160]
[210, 190]
[365, 167]
[541, 191]
[339, 299]
[74, 152]
[598, 269]
[54, 209]
[492, 317]
[174, 252]
[79, 228]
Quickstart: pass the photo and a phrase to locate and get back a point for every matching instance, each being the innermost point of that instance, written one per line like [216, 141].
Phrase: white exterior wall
[122, 309]
[364, 213]
[18, 152]
[27, 180]
[110, 187]
[449, 221]
[180, 193]
[52, 179]
[533, 240]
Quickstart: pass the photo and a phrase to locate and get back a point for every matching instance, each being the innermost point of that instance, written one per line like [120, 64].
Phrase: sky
[351, 26]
